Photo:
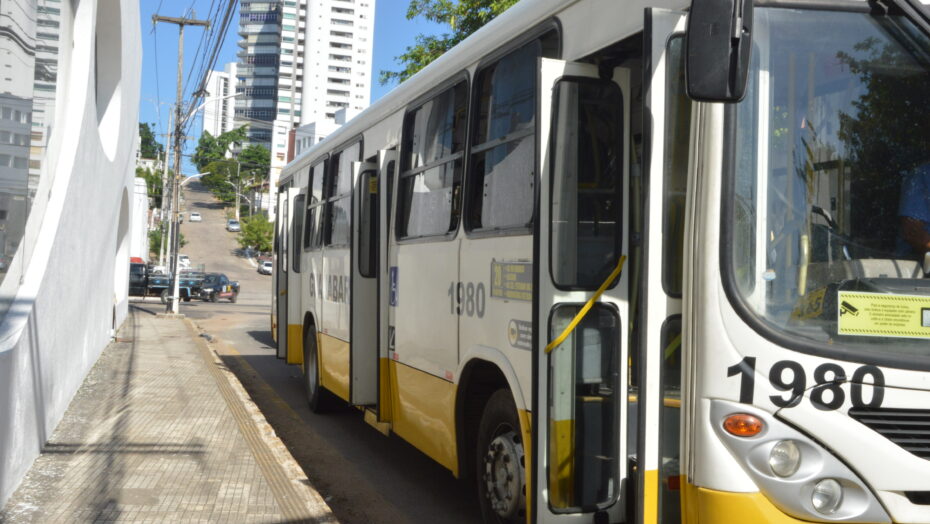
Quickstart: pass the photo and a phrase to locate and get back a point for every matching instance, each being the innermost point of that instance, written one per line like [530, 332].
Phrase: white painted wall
[74, 257]
[139, 221]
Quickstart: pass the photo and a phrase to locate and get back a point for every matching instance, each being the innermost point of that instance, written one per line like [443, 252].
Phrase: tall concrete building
[301, 61]
[219, 112]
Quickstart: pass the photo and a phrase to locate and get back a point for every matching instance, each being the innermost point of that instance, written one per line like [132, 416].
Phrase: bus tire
[500, 465]
[319, 398]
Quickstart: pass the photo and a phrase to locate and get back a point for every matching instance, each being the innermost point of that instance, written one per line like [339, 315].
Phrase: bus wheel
[318, 398]
[501, 472]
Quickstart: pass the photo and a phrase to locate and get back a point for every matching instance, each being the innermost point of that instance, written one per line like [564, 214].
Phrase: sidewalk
[161, 432]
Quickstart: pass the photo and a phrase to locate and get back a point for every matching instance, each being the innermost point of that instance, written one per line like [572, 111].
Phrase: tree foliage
[226, 174]
[884, 133]
[153, 184]
[463, 17]
[212, 148]
[155, 241]
[256, 233]
[149, 147]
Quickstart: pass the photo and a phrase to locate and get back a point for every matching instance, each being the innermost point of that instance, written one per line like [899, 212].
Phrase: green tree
[256, 233]
[212, 148]
[221, 179]
[463, 17]
[149, 147]
[155, 241]
[153, 184]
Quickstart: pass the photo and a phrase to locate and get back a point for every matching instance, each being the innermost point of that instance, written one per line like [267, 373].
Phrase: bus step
[372, 419]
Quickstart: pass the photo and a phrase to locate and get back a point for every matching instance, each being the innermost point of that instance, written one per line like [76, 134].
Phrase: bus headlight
[827, 496]
[785, 458]
[794, 471]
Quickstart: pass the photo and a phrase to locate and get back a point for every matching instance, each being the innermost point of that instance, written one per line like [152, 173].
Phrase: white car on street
[264, 267]
[195, 217]
[184, 261]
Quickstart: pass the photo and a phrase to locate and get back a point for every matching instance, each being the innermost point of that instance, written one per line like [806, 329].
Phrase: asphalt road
[365, 476]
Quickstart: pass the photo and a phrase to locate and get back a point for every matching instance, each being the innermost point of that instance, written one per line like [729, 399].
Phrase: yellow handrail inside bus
[587, 307]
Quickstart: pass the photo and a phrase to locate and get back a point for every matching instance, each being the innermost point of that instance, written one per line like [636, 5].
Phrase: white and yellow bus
[451, 262]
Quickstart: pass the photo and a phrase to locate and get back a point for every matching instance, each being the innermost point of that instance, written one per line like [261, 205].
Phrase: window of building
[431, 160]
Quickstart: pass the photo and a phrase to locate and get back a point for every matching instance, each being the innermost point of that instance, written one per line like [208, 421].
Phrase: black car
[216, 286]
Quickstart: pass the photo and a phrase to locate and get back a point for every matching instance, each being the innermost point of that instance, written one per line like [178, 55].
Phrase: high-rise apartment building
[219, 111]
[300, 62]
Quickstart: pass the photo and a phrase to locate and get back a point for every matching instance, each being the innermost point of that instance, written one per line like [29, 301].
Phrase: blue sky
[393, 33]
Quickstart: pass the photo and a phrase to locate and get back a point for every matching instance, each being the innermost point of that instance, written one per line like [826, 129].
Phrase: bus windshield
[830, 183]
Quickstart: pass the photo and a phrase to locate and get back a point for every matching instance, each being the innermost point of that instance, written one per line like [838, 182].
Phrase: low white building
[139, 221]
[67, 196]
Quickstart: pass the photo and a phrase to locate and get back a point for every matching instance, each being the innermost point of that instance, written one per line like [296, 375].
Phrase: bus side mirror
[719, 44]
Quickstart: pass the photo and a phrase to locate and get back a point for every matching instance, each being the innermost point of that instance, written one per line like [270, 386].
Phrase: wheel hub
[504, 475]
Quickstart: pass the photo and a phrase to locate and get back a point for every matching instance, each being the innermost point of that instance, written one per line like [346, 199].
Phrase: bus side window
[431, 166]
[338, 192]
[501, 186]
[312, 228]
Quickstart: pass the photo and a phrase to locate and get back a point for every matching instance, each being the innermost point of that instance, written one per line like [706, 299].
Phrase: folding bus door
[581, 324]
[363, 347]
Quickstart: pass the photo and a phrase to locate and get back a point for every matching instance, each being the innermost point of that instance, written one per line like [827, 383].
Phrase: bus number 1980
[467, 299]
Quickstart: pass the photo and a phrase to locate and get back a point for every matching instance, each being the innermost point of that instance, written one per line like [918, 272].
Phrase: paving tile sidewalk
[160, 432]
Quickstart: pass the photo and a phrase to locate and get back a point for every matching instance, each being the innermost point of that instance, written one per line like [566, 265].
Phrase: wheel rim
[504, 475]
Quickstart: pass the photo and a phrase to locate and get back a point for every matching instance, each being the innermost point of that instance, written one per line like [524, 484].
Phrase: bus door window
[297, 229]
[585, 394]
[368, 224]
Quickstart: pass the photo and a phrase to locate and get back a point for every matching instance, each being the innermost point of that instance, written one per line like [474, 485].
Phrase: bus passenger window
[502, 180]
[586, 182]
[338, 191]
[432, 166]
[312, 227]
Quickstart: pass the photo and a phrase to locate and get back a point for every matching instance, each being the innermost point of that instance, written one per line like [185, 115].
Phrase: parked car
[232, 225]
[143, 283]
[264, 267]
[195, 217]
[216, 286]
[184, 261]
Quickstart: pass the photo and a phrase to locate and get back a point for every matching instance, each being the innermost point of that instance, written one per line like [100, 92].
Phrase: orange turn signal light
[743, 425]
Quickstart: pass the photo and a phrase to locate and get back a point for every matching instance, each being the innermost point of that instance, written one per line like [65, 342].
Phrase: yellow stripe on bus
[562, 463]
[334, 365]
[424, 413]
[707, 506]
[650, 496]
[295, 344]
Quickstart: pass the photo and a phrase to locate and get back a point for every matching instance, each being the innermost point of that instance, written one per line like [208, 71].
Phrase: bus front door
[581, 324]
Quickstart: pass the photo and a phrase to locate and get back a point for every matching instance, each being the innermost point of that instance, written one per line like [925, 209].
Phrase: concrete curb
[312, 503]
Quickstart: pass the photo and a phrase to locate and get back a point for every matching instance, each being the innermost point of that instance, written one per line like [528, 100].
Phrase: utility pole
[178, 145]
[165, 232]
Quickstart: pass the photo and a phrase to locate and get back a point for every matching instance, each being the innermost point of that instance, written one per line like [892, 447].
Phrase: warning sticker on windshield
[882, 315]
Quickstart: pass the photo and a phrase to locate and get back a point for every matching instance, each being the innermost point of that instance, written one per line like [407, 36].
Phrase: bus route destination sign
[512, 280]
[883, 315]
